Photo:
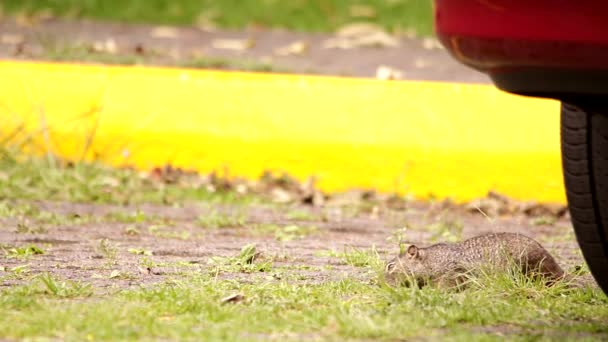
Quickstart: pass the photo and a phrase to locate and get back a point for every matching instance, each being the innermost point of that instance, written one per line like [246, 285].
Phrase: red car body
[554, 48]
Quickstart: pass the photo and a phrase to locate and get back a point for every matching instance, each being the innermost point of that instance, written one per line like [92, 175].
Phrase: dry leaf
[295, 48]
[165, 32]
[114, 274]
[139, 49]
[387, 73]
[431, 43]
[233, 298]
[12, 39]
[358, 29]
[281, 196]
[362, 11]
[146, 270]
[233, 44]
[361, 35]
[109, 46]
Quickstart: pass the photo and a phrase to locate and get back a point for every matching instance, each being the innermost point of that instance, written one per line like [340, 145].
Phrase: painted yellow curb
[420, 138]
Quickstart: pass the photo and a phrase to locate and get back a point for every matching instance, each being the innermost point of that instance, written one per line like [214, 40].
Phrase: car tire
[584, 144]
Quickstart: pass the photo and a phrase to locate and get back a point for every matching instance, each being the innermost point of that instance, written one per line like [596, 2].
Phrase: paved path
[414, 58]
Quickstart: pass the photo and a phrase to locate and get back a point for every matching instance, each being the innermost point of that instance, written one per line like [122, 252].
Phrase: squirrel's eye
[390, 266]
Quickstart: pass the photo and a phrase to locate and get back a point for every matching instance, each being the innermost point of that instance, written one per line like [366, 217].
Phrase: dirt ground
[176, 241]
[358, 51]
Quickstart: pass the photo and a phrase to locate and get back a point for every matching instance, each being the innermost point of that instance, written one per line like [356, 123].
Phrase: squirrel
[447, 264]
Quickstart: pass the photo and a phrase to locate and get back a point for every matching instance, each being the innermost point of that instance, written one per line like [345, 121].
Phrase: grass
[358, 257]
[54, 50]
[215, 220]
[24, 252]
[51, 179]
[300, 15]
[230, 64]
[201, 307]
[250, 295]
[85, 54]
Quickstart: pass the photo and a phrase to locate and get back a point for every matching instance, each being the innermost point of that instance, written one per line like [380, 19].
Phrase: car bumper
[530, 47]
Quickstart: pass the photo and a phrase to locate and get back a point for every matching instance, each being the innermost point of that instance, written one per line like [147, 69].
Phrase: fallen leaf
[19, 49]
[167, 32]
[12, 39]
[375, 214]
[143, 270]
[139, 49]
[295, 48]
[386, 73]
[114, 274]
[358, 29]
[281, 196]
[233, 298]
[431, 43]
[108, 45]
[371, 39]
[233, 44]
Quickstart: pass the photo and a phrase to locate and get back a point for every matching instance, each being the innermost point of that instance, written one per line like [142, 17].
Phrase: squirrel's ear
[412, 251]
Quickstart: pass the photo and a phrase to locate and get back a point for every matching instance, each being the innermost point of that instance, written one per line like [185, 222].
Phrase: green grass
[23, 178]
[196, 307]
[299, 15]
[271, 298]
[215, 220]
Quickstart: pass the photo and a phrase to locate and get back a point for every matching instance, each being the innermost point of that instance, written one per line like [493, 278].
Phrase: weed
[137, 216]
[24, 252]
[249, 260]
[399, 237]
[300, 215]
[446, 229]
[147, 262]
[24, 227]
[358, 257]
[132, 231]
[18, 210]
[64, 289]
[233, 64]
[107, 250]
[59, 51]
[544, 221]
[20, 270]
[34, 178]
[139, 251]
[216, 219]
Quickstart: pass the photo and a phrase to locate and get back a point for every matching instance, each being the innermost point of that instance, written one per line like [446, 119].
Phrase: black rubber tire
[584, 140]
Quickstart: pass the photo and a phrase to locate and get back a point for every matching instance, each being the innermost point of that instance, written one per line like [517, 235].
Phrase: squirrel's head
[406, 266]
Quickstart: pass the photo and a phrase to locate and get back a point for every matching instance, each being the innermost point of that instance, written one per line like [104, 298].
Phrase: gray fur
[446, 264]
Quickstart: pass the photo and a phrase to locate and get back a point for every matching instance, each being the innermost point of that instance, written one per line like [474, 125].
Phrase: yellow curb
[421, 138]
